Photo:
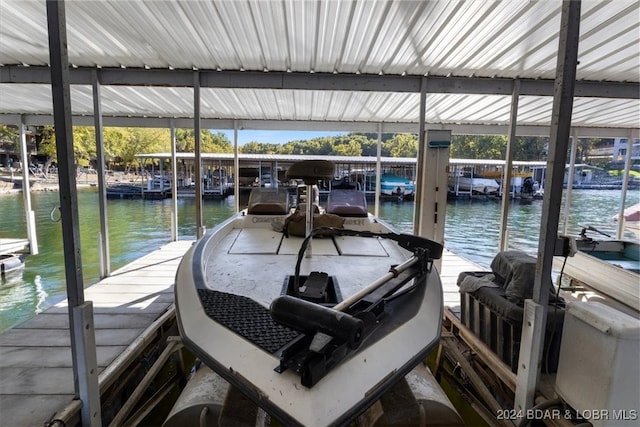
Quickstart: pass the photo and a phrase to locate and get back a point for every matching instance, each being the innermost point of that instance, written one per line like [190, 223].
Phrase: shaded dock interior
[130, 307]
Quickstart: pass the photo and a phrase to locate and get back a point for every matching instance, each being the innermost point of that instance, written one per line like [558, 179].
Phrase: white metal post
[26, 192]
[174, 184]
[507, 172]
[533, 329]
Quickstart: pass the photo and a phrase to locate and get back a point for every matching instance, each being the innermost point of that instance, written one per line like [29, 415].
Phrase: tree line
[121, 145]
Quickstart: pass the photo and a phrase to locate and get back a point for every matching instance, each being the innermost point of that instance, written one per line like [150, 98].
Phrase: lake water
[137, 227]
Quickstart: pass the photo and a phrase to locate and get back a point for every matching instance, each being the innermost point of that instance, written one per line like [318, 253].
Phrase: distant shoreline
[9, 185]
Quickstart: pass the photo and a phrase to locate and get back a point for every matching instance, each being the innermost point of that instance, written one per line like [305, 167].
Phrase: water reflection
[137, 227]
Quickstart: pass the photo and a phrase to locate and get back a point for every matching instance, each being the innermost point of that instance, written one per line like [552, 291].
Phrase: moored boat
[475, 185]
[608, 267]
[10, 263]
[313, 325]
[394, 185]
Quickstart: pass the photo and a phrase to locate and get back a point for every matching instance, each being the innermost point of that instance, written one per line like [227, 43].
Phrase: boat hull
[10, 263]
[474, 185]
[258, 273]
[611, 268]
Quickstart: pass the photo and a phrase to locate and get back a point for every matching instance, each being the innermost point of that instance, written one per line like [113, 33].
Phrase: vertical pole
[433, 187]
[174, 184]
[572, 168]
[625, 183]
[198, 155]
[417, 216]
[535, 315]
[61, 95]
[236, 168]
[105, 263]
[26, 192]
[376, 209]
[507, 173]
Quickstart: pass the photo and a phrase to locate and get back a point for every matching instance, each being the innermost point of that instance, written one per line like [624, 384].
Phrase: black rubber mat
[246, 318]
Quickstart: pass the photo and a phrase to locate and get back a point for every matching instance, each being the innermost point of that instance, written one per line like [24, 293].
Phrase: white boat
[313, 336]
[477, 185]
[631, 217]
[10, 263]
[394, 185]
[608, 267]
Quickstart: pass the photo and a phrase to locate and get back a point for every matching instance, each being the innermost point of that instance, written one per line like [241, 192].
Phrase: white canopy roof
[332, 65]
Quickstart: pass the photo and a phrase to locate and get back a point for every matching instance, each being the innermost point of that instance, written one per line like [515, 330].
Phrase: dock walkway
[36, 377]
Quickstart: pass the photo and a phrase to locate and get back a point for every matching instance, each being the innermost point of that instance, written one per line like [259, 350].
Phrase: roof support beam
[533, 331]
[174, 185]
[198, 152]
[85, 372]
[317, 81]
[105, 262]
[507, 172]
[369, 127]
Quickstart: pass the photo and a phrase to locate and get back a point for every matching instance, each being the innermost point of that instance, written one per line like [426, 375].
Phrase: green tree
[254, 147]
[209, 142]
[402, 145]
[478, 146]
[348, 145]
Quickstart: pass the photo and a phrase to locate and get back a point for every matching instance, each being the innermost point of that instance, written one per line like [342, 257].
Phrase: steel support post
[26, 192]
[105, 262]
[572, 169]
[236, 168]
[417, 217]
[533, 329]
[174, 185]
[625, 184]
[61, 95]
[198, 153]
[507, 173]
[376, 203]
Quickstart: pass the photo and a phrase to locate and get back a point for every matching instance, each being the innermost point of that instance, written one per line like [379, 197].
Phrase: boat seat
[349, 203]
[268, 201]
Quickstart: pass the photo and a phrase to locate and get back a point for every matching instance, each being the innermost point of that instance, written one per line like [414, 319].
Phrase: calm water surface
[137, 227]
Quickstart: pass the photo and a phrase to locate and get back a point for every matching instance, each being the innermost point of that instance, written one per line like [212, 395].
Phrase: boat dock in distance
[398, 175]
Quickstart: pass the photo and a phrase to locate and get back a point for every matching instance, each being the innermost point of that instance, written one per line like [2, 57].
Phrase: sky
[275, 136]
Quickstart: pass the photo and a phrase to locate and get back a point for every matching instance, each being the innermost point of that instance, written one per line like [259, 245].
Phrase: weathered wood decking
[36, 377]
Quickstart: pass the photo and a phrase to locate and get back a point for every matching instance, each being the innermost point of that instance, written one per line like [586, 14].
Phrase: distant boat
[465, 182]
[10, 263]
[394, 185]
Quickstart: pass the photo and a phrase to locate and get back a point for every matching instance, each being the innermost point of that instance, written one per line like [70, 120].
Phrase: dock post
[103, 248]
[564, 88]
[88, 366]
[61, 94]
[507, 172]
[26, 193]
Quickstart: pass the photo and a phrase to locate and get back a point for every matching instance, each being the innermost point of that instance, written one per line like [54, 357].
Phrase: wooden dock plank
[61, 337]
[36, 377]
[452, 266]
[100, 320]
[51, 357]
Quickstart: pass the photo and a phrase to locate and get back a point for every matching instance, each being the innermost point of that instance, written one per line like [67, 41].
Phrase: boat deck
[36, 377]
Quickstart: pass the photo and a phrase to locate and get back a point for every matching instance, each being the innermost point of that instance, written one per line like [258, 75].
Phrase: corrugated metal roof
[326, 40]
